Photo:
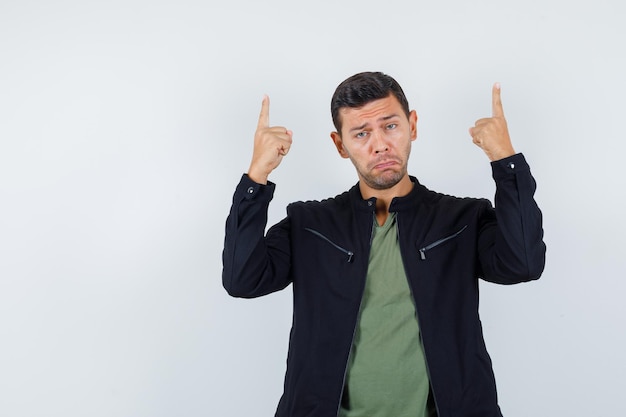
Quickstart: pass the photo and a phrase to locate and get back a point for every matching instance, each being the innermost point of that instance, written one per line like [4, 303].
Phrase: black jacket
[447, 243]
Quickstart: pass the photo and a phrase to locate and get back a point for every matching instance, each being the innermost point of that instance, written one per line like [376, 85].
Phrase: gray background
[125, 125]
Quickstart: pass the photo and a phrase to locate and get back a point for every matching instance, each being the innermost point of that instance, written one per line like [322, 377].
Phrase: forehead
[371, 111]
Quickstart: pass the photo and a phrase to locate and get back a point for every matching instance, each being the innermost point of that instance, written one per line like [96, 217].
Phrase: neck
[384, 197]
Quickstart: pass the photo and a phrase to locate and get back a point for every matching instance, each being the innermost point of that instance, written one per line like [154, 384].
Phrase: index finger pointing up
[496, 101]
[264, 116]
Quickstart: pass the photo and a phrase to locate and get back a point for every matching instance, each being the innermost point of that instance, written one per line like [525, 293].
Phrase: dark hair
[363, 88]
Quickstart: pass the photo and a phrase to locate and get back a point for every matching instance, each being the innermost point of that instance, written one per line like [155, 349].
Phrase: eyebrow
[384, 118]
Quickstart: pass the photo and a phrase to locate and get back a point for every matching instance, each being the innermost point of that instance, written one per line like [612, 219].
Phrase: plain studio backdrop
[125, 126]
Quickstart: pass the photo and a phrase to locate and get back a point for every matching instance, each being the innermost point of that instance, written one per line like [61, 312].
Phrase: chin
[384, 182]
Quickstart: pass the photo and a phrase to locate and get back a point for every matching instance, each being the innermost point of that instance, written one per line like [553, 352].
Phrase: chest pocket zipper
[321, 236]
[439, 242]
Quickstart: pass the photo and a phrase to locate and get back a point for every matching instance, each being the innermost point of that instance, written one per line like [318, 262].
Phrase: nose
[379, 143]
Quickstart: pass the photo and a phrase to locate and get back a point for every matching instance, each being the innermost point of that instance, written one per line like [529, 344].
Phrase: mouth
[385, 164]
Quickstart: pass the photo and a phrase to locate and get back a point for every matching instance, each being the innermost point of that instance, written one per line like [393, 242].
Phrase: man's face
[377, 138]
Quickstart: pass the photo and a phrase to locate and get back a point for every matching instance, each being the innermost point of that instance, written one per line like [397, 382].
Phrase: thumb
[496, 101]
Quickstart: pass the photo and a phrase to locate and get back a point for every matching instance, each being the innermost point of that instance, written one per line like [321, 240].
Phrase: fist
[491, 134]
[271, 144]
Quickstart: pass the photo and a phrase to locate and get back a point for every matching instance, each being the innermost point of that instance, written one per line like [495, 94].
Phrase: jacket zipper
[417, 316]
[318, 234]
[439, 242]
[356, 323]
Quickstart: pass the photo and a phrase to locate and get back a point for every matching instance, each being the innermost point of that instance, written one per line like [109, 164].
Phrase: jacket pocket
[439, 242]
[348, 253]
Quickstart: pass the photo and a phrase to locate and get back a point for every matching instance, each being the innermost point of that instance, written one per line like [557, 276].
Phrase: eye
[392, 126]
[361, 135]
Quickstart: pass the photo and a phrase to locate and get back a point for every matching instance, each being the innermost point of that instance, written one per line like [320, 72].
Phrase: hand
[271, 144]
[491, 134]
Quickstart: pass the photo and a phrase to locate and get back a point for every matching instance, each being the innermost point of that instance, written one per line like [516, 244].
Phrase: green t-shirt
[387, 370]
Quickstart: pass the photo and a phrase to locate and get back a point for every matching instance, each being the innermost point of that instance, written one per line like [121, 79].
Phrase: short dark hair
[362, 88]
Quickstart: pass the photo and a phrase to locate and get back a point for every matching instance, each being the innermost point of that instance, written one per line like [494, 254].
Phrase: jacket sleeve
[510, 241]
[254, 264]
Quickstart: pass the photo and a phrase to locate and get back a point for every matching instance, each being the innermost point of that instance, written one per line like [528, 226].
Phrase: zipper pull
[350, 255]
[423, 254]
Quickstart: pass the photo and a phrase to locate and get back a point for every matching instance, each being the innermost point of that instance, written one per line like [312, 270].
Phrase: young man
[385, 275]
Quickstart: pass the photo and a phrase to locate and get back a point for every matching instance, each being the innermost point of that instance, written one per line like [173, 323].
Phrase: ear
[413, 124]
[336, 137]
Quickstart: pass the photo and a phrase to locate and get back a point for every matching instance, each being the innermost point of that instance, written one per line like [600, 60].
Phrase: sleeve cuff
[509, 166]
[249, 189]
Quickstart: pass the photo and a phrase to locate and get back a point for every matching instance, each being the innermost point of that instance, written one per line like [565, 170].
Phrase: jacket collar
[417, 195]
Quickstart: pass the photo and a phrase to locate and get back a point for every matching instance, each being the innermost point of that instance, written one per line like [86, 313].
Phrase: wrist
[501, 154]
[256, 176]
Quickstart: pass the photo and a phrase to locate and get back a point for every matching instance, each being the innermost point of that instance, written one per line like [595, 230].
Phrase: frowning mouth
[385, 164]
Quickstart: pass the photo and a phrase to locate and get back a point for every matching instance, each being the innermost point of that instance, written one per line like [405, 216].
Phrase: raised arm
[511, 247]
[255, 264]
